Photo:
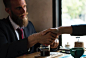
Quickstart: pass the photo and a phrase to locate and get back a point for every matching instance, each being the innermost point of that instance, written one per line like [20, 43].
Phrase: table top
[37, 55]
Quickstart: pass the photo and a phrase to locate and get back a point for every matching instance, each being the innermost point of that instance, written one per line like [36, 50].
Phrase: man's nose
[23, 10]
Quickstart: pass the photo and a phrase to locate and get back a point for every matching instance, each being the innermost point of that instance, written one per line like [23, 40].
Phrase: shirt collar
[15, 26]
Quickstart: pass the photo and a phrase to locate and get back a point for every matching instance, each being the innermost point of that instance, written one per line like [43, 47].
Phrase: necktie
[20, 31]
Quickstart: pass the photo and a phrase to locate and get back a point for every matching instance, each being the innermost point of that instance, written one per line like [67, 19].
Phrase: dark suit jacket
[10, 46]
[79, 30]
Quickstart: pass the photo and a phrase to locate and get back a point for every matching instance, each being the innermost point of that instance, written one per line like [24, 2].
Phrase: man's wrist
[58, 30]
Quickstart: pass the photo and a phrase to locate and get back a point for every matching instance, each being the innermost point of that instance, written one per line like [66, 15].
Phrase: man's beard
[19, 21]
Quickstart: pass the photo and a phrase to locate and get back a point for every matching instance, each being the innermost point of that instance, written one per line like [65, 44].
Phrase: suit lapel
[8, 22]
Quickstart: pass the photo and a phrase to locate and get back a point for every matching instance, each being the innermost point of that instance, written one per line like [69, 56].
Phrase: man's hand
[53, 30]
[48, 38]
[55, 44]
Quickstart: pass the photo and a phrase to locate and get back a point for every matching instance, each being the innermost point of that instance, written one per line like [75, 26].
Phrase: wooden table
[30, 55]
[37, 55]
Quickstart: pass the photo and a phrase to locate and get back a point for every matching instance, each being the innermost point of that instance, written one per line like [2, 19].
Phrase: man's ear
[8, 10]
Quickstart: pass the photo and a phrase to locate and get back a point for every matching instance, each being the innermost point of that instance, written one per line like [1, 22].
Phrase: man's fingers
[53, 34]
[55, 44]
[46, 31]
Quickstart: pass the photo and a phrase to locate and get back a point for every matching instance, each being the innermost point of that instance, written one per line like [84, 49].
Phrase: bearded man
[12, 44]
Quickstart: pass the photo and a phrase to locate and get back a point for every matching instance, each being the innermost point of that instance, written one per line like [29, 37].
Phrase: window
[73, 12]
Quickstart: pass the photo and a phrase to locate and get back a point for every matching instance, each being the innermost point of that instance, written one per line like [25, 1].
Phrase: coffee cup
[77, 52]
[44, 50]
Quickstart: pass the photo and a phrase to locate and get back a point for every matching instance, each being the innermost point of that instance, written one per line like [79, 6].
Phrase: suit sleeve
[31, 31]
[78, 30]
